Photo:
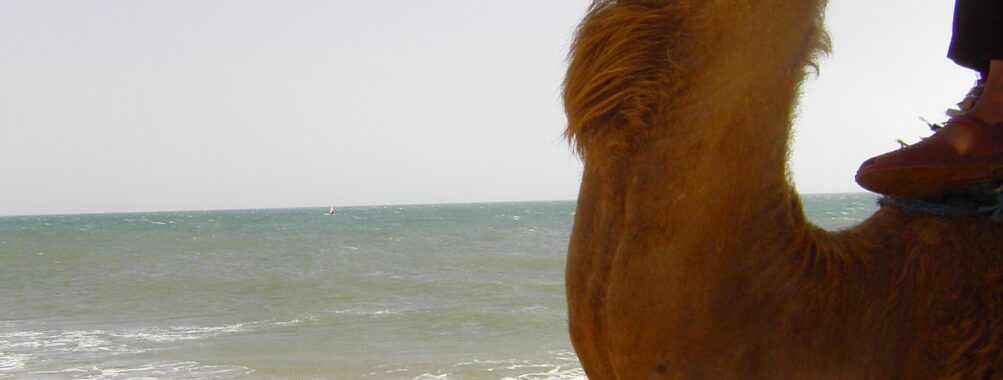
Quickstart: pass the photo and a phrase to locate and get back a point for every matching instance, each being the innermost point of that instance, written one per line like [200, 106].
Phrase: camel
[690, 256]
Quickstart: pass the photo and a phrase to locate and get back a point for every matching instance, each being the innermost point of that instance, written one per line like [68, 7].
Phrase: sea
[422, 292]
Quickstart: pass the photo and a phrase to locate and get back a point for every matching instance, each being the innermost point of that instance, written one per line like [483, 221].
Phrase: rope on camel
[982, 199]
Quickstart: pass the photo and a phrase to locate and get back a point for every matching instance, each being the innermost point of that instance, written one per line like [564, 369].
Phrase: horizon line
[327, 206]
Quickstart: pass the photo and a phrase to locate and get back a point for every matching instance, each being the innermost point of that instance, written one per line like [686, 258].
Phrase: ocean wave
[172, 370]
[184, 333]
[557, 373]
[370, 313]
[102, 341]
[11, 361]
[293, 322]
[174, 334]
[565, 368]
[58, 341]
[99, 346]
[541, 372]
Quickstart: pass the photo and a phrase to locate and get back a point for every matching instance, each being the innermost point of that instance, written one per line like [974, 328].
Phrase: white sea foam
[18, 347]
[515, 369]
[173, 334]
[293, 322]
[370, 313]
[382, 372]
[158, 370]
[58, 341]
[12, 362]
[429, 376]
[557, 373]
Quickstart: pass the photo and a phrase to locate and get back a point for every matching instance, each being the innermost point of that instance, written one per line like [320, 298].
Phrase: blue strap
[947, 210]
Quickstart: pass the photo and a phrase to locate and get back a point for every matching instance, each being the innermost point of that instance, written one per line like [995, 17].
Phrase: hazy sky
[165, 105]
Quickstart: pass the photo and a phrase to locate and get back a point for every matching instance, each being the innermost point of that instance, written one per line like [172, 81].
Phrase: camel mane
[627, 60]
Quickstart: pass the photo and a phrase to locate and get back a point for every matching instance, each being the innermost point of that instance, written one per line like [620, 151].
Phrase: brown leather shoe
[964, 152]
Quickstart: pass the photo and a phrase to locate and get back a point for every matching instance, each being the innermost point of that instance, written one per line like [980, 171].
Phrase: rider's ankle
[987, 111]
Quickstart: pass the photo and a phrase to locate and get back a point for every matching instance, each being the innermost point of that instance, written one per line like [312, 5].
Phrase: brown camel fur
[691, 256]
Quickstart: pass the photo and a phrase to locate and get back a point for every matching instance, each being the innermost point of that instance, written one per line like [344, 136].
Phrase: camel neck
[676, 133]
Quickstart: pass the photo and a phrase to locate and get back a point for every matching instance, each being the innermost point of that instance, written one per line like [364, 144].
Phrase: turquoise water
[398, 292]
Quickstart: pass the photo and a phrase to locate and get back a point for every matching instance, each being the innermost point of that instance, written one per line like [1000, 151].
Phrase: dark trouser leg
[978, 34]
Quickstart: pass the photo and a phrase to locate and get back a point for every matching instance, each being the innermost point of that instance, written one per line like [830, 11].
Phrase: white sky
[110, 106]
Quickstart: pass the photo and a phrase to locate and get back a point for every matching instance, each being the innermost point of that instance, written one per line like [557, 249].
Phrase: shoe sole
[927, 182]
